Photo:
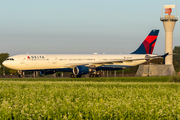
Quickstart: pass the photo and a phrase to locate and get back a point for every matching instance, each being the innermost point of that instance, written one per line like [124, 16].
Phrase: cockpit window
[10, 59]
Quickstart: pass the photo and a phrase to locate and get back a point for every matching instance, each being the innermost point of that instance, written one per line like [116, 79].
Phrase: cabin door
[22, 60]
[54, 60]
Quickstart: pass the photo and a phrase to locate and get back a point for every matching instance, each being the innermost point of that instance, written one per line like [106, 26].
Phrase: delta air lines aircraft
[80, 64]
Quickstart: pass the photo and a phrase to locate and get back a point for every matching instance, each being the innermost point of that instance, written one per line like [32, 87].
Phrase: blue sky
[81, 26]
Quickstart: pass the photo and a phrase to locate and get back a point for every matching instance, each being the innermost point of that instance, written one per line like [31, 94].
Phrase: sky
[81, 26]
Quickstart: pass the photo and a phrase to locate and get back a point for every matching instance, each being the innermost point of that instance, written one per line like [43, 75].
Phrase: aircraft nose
[4, 63]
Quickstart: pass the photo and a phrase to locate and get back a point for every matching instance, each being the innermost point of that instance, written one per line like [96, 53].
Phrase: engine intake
[80, 70]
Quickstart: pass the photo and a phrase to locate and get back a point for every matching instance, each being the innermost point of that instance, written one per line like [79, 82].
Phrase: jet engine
[80, 70]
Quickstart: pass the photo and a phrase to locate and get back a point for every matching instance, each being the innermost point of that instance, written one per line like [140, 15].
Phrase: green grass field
[105, 79]
[89, 98]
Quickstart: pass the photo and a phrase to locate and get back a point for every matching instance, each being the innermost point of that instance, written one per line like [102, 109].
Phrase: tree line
[5, 70]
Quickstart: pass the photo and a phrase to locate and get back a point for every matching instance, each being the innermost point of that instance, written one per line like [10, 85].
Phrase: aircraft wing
[72, 65]
[101, 63]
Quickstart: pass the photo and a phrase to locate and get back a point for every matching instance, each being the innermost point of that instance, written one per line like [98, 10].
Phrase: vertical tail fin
[148, 44]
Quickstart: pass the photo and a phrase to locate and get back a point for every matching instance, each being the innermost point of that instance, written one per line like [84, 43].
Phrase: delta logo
[35, 57]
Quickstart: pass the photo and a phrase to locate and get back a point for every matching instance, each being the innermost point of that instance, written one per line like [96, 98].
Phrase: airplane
[80, 64]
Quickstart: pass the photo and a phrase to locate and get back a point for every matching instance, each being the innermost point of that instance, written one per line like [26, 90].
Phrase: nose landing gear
[20, 74]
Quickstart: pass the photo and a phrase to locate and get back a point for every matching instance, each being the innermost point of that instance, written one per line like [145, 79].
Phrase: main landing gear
[75, 76]
[91, 75]
[94, 75]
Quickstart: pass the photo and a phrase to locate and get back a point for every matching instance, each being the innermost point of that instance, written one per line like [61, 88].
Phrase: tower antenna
[162, 10]
[176, 9]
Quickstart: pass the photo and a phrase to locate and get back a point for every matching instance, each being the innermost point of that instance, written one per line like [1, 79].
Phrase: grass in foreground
[89, 100]
[175, 78]
[108, 79]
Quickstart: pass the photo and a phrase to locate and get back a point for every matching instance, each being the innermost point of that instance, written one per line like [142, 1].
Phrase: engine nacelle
[80, 70]
[43, 72]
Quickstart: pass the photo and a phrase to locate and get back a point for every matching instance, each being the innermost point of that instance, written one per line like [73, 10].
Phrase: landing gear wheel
[72, 76]
[91, 75]
[20, 76]
[98, 75]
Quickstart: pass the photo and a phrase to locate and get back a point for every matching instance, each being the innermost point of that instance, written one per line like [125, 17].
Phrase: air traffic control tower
[169, 22]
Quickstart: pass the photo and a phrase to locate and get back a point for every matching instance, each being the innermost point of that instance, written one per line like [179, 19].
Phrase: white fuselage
[57, 61]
